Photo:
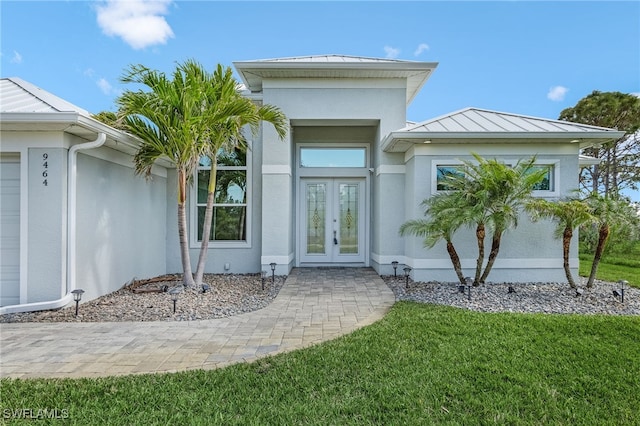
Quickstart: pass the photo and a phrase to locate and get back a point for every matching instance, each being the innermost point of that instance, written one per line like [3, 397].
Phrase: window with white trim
[445, 172]
[230, 208]
[547, 183]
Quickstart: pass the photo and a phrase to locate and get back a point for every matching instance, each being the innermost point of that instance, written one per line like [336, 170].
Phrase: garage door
[9, 229]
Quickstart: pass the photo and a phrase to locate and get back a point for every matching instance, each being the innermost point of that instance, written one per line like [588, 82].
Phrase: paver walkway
[314, 305]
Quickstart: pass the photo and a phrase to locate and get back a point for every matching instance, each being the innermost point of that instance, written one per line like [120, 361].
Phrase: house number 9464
[45, 169]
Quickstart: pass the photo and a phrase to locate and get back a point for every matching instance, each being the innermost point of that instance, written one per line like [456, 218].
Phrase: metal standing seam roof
[476, 120]
[484, 125]
[20, 96]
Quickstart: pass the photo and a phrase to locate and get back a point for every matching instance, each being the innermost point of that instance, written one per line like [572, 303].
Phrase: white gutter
[70, 285]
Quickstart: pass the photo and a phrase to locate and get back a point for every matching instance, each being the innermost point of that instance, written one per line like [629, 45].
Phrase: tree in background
[619, 168]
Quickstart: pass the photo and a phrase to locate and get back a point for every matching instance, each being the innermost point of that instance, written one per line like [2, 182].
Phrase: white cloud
[557, 93]
[391, 52]
[16, 58]
[140, 23]
[105, 86]
[421, 48]
[636, 94]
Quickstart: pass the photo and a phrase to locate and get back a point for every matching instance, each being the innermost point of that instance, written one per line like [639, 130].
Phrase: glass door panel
[349, 214]
[316, 218]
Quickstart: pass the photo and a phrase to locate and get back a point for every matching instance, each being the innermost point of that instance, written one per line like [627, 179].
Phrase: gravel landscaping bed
[233, 294]
[551, 298]
[227, 295]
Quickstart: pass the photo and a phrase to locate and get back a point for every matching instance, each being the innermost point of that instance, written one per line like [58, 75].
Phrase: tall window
[229, 221]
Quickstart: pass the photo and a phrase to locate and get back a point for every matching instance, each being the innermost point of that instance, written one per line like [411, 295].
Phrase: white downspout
[71, 235]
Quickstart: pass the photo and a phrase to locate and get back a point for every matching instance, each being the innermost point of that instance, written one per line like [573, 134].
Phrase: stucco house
[334, 192]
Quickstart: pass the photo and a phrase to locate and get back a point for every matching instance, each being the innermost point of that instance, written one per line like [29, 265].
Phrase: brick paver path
[314, 305]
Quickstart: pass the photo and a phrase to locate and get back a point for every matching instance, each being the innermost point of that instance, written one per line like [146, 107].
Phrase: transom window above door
[333, 157]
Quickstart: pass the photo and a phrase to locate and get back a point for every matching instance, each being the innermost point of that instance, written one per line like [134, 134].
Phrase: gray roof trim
[252, 73]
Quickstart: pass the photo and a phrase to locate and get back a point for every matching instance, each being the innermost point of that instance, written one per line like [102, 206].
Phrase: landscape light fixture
[77, 295]
[395, 268]
[263, 276]
[579, 292]
[273, 272]
[511, 289]
[469, 282]
[205, 288]
[407, 271]
[623, 284]
[174, 292]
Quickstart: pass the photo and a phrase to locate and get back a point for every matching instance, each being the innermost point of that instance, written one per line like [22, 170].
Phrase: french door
[332, 220]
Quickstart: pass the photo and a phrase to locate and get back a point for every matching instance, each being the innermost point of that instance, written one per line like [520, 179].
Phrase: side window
[547, 183]
[446, 172]
[229, 221]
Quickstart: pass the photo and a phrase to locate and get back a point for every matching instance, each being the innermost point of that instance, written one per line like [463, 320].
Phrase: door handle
[335, 239]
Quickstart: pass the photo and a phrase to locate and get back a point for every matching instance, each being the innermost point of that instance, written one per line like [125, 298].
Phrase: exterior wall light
[273, 272]
[174, 292]
[395, 268]
[407, 272]
[77, 296]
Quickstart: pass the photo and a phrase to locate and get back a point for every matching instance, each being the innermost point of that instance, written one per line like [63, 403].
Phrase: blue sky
[532, 58]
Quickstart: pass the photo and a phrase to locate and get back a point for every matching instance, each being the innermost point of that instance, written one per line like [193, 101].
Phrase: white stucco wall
[121, 222]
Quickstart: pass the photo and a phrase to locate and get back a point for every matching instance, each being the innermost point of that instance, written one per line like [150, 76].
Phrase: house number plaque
[45, 169]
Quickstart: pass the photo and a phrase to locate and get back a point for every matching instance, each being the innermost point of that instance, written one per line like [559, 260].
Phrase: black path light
[77, 295]
[623, 284]
[395, 268]
[263, 276]
[469, 282]
[174, 292]
[273, 272]
[407, 271]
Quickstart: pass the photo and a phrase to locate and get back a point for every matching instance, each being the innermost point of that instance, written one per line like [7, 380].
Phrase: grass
[421, 364]
[616, 266]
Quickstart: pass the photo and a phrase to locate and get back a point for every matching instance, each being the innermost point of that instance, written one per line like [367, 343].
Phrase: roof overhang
[73, 123]
[253, 73]
[401, 141]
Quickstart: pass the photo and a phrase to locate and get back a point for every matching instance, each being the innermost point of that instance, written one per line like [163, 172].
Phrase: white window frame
[554, 165]
[193, 217]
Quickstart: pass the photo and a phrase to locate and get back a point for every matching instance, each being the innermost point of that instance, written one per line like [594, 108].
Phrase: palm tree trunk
[187, 277]
[567, 234]
[206, 226]
[455, 259]
[480, 235]
[603, 235]
[495, 248]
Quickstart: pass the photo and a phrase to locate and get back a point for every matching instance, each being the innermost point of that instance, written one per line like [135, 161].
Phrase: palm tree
[490, 196]
[229, 114]
[569, 215]
[169, 121]
[608, 212]
[443, 222]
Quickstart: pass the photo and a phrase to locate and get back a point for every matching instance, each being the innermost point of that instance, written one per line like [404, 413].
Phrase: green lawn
[421, 364]
[615, 267]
